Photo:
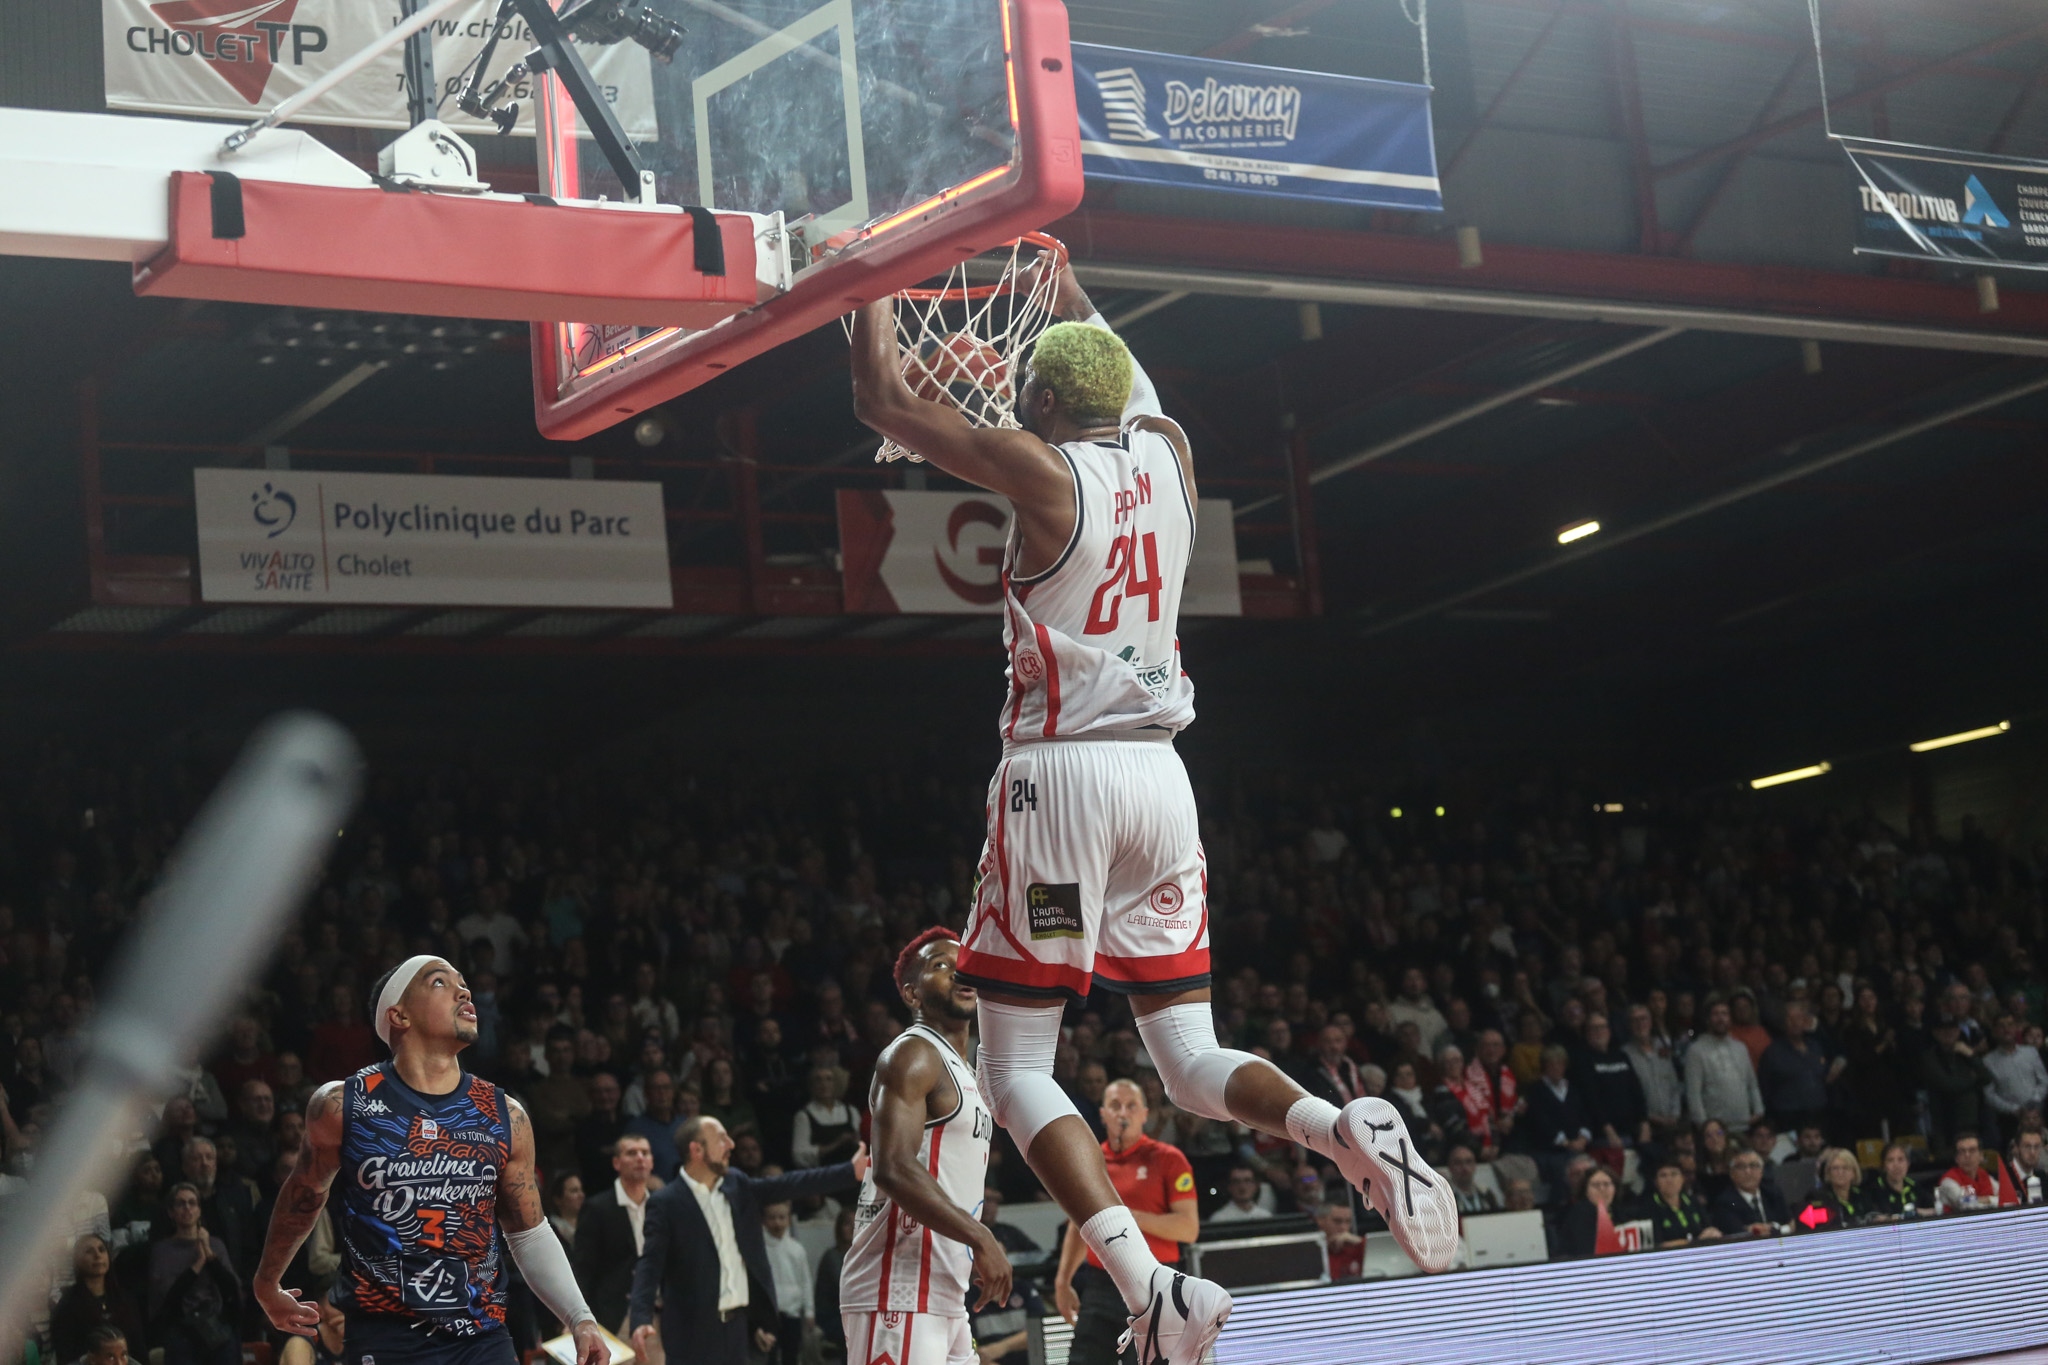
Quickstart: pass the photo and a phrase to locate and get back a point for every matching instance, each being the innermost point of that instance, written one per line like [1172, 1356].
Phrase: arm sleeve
[1144, 400]
[539, 1255]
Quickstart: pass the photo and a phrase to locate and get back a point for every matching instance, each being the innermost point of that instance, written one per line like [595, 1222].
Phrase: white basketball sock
[1114, 1237]
[1313, 1123]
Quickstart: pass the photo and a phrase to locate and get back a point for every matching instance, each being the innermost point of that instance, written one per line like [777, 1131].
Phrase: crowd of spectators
[1699, 1014]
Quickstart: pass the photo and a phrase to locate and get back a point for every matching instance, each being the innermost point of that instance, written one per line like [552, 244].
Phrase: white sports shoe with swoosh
[1376, 1154]
[1180, 1324]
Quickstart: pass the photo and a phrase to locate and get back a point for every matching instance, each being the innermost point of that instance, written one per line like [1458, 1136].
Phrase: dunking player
[1094, 867]
[432, 1161]
[917, 1240]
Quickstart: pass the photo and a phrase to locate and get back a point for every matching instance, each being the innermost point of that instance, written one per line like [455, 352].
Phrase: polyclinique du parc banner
[313, 538]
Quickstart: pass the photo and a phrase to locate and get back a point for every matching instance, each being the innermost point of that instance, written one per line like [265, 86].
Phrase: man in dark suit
[705, 1254]
[1748, 1205]
[610, 1231]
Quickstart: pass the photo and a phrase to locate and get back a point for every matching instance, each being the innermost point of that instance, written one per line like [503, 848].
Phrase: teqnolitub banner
[238, 58]
[1162, 119]
[314, 539]
[1953, 206]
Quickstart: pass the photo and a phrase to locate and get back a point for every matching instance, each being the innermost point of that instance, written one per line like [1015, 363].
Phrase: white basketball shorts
[1093, 873]
[907, 1339]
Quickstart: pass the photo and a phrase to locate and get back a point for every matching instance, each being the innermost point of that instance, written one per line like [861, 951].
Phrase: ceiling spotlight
[1439, 810]
[650, 431]
[1609, 808]
[1964, 737]
[1395, 812]
[1578, 531]
[1796, 775]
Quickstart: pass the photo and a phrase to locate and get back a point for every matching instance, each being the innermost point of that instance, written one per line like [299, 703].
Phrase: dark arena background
[1615, 534]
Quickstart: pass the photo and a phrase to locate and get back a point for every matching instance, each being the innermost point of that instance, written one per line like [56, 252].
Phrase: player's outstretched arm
[299, 1203]
[904, 1080]
[1015, 464]
[534, 1246]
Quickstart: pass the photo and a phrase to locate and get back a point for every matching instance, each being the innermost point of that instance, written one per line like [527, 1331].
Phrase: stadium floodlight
[1578, 530]
[1982, 732]
[1609, 808]
[1796, 775]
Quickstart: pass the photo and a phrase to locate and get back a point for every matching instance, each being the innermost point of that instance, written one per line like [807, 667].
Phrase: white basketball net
[937, 328]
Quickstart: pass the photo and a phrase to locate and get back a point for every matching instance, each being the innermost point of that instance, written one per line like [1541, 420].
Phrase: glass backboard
[894, 137]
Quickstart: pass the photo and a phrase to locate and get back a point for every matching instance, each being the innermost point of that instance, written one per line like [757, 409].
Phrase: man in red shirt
[1156, 1183]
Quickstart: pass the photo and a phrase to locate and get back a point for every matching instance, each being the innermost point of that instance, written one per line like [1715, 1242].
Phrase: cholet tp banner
[238, 58]
[313, 538]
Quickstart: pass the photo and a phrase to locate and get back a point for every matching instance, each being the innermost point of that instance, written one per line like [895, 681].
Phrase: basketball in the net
[961, 367]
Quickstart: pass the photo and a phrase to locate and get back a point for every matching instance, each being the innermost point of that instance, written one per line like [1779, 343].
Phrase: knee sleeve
[1014, 1069]
[1181, 1040]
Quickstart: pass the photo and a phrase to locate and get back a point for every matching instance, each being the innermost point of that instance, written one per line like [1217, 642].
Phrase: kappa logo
[241, 40]
[376, 1107]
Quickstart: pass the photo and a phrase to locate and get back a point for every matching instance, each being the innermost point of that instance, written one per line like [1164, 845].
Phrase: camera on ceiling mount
[619, 21]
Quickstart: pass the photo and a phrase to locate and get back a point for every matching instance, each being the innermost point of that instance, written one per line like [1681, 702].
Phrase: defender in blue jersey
[433, 1164]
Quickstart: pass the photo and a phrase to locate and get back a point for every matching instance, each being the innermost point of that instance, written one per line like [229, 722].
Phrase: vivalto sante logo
[274, 509]
[240, 40]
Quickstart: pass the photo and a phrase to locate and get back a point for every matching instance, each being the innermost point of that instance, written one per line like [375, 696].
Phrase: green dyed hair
[1088, 367]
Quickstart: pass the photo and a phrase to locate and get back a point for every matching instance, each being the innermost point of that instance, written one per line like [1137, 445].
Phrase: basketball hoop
[962, 339]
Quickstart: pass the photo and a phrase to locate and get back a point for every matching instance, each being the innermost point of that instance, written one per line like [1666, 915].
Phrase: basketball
[961, 367]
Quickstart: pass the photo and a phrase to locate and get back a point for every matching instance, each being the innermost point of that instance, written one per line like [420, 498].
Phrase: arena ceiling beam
[1617, 537]
[1388, 270]
[1808, 117]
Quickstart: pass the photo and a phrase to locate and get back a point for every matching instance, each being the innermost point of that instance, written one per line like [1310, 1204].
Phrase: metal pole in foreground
[246, 863]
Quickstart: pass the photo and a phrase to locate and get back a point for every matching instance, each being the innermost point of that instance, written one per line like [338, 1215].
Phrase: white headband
[394, 990]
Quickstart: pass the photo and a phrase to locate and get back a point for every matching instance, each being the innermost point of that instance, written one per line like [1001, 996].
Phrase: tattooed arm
[300, 1202]
[535, 1248]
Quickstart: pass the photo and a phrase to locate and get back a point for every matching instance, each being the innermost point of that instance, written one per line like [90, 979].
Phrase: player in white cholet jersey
[918, 1245]
[1093, 872]
[1094, 641]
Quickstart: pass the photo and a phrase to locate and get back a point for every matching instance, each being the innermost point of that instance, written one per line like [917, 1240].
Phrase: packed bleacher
[1656, 1025]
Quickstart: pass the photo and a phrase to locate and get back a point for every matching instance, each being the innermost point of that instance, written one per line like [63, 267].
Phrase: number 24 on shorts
[1023, 793]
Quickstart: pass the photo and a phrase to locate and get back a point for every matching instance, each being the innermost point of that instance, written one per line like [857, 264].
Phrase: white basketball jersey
[895, 1264]
[1094, 641]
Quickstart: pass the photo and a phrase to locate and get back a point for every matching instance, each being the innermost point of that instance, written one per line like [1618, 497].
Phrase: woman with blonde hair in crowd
[1838, 1200]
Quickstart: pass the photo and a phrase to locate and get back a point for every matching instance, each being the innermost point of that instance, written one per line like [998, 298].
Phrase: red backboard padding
[374, 250]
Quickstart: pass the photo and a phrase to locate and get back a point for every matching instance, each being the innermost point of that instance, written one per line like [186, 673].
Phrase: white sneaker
[1181, 1322]
[1376, 1154]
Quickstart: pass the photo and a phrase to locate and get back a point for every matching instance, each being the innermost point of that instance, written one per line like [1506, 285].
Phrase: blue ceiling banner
[1968, 207]
[1165, 120]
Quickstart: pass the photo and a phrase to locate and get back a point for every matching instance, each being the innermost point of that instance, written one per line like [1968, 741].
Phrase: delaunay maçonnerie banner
[1194, 121]
[237, 58]
[318, 539]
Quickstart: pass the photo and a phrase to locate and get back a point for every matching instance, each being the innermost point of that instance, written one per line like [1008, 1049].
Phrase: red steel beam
[1507, 87]
[1628, 93]
[1683, 245]
[1808, 117]
[1791, 291]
